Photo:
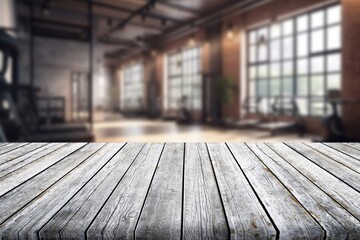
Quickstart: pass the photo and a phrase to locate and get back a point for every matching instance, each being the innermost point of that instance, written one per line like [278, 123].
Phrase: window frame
[253, 66]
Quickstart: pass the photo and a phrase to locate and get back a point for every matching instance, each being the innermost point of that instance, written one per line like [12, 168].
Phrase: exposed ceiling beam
[131, 11]
[83, 12]
[59, 23]
[43, 32]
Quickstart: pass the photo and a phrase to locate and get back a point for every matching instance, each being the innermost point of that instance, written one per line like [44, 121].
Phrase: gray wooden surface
[180, 191]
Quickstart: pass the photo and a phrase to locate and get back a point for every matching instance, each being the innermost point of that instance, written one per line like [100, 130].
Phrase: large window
[184, 79]
[298, 58]
[133, 87]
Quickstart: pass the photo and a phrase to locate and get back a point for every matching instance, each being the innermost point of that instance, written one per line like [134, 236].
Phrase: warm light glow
[153, 53]
[192, 42]
[230, 34]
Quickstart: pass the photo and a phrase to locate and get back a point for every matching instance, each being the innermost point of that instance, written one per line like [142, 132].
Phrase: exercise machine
[16, 127]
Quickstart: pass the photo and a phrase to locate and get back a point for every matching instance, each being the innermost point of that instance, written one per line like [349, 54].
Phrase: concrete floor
[114, 128]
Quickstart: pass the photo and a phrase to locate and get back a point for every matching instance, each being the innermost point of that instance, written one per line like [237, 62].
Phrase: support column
[91, 60]
[351, 65]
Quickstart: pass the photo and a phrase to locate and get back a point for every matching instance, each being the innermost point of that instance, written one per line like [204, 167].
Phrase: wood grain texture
[161, 215]
[11, 166]
[72, 221]
[337, 156]
[345, 195]
[346, 174]
[18, 152]
[10, 147]
[246, 217]
[21, 175]
[204, 216]
[15, 200]
[118, 217]
[338, 223]
[26, 223]
[274, 196]
[352, 150]
[180, 191]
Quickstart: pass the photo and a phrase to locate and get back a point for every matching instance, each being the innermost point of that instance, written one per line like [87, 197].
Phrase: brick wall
[232, 66]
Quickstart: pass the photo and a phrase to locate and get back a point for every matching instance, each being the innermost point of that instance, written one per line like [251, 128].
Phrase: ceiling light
[192, 41]
[230, 31]
[262, 41]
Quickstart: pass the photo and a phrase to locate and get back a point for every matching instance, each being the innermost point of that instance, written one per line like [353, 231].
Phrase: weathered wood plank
[355, 153]
[19, 176]
[246, 217]
[342, 172]
[337, 156]
[346, 196]
[354, 145]
[10, 147]
[26, 223]
[161, 214]
[293, 222]
[76, 216]
[338, 223]
[18, 152]
[204, 216]
[16, 199]
[24, 160]
[118, 218]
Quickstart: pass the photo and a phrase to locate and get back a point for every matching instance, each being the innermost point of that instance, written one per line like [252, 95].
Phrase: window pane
[302, 86]
[303, 105]
[334, 81]
[275, 31]
[303, 66]
[252, 89]
[317, 41]
[252, 72]
[317, 107]
[263, 71]
[288, 87]
[288, 48]
[317, 85]
[262, 88]
[253, 54]
[302, 45]
[317, 19]
[334, 15]
[334, 63]
[275, 87]
[275, 50]
[287, 27]
[333, 38]
[317, 65]
[263, 53]
[275, 70]
[288, 68]
[302, 23]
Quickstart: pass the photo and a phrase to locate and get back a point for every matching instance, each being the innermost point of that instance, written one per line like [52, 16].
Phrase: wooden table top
[180, 190]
